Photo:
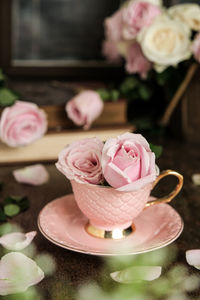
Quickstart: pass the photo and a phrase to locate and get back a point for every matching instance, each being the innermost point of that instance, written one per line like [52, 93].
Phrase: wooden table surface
[75, 268]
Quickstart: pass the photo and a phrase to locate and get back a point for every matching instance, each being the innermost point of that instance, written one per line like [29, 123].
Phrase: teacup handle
[170, 196]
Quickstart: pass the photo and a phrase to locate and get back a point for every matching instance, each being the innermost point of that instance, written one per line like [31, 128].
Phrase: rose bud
[84, 108]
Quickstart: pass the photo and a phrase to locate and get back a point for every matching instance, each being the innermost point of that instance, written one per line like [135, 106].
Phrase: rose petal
[196, 179]
[193, 258]
[134, 274]
[17, 273]
[17, 240]
[35, 175]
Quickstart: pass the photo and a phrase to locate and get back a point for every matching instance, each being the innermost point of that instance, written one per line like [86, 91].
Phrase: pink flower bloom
[110, 51]
[35, 175]
[196, 47]
[138, 15]
[136, 61]
[128, 163]
[84, 108]
[22, 124]
[113, 26]
[81, 161]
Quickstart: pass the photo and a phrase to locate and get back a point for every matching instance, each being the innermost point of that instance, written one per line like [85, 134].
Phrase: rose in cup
[112, 182]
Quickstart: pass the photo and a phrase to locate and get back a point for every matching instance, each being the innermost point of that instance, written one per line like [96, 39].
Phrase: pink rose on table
[84, 108]
[136, 62]
[22, 124]
[128, 163]
[136, 15]
[81, 161]
[196, 47]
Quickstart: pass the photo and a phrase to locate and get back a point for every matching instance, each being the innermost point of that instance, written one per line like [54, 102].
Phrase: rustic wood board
[47, 148]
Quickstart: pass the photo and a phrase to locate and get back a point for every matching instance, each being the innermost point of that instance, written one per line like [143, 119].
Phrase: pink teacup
[111, 212]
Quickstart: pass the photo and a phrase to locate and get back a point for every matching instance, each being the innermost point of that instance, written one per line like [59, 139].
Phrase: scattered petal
[196, 179]
[134, 274]
[193, 258]
[35, 175]
[17, 273]
[17, 240]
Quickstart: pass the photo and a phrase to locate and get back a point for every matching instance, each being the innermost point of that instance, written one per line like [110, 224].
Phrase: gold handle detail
[176, 190]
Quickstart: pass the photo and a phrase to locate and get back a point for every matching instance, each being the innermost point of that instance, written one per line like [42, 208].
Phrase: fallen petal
[17, 240]
[35, 175]
[193, 258]
[134, 274]
[17, 273]
[196, 179]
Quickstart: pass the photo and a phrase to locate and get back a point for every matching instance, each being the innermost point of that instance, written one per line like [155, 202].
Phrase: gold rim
[115, 234]
[176, 190]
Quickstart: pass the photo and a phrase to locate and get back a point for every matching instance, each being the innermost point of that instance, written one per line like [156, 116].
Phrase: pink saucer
[62, 223]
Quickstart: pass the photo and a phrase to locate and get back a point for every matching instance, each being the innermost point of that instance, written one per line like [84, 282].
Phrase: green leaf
[17, 198]
[144, 92]
[128, 85]
[156, 149]
[104, 94]
[163, 77]
[7, 97]
[8, 200]
[11, 210]
[114, 95]
[3, 217]
[20, 201]
[24, 204]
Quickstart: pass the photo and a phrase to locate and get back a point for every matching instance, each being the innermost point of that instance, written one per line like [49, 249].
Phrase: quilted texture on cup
[107, 208]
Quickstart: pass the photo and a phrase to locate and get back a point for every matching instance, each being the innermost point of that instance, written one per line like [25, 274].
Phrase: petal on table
[17, 273]
[193, 258]
[196, 179]
[17, 240]
[35, 175]
[134, 274]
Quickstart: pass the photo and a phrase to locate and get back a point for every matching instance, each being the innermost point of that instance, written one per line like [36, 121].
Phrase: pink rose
[113, 26]
[138, 15]
[110, 51]
[128, 163]
[81, 161]
[84, 108]
[136, 61]
[196, 47]
[22, 124]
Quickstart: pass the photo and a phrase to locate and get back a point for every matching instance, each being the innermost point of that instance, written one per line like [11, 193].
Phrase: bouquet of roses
[149, 36]
[125, 163]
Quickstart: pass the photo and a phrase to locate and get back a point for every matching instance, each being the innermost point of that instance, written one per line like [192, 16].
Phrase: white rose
[166, 42]
[188, 13]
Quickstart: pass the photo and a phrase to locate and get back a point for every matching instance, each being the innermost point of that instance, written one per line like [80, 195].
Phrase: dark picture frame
[78, 71]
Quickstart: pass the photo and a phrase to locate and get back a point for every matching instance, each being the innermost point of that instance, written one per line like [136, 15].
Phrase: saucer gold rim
[80, 249]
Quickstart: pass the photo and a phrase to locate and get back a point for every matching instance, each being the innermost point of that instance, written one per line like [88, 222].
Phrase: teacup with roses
[112, 181]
